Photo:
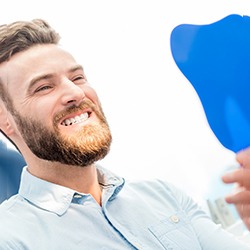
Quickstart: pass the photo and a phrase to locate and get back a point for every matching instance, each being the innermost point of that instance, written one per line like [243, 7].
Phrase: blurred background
[158, 124]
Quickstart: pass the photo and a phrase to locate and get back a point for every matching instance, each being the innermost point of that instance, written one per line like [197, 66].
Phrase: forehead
[39, 59]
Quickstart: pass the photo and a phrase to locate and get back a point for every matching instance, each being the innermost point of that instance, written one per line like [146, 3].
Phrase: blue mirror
[215, 58]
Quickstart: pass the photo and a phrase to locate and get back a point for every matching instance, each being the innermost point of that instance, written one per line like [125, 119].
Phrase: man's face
[55, 110]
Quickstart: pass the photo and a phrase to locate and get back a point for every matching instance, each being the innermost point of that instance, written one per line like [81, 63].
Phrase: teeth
[76, 119]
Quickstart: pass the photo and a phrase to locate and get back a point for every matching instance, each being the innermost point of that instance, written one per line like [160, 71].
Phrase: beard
[84, 147]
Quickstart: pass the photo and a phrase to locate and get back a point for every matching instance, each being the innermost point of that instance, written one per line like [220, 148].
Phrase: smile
[77, 119]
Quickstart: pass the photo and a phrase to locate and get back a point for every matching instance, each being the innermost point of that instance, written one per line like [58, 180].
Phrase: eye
[42, 88]
[79, 79]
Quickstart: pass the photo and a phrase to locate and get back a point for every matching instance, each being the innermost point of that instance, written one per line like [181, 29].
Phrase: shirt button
[77, 196]
[174, 218]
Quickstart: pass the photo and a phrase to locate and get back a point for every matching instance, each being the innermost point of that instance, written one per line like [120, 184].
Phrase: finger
[242, 197]
[240, 176]
[244, 213]
[243, 157]
[243, 210]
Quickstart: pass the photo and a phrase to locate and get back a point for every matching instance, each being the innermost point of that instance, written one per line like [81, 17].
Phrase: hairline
[5, 96]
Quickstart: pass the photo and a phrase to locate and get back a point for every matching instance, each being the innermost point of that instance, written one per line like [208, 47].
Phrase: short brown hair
[21, 35]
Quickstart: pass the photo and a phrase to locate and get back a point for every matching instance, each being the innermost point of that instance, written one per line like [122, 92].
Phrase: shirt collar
[56, 198]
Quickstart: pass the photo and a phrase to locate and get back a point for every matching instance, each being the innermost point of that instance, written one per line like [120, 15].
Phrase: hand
[241, 177]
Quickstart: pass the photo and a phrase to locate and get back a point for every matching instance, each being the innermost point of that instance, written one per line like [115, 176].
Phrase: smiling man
[69, 126]
[66, 201]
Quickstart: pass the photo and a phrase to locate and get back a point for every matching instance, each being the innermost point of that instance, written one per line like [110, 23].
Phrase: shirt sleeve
[210, 235]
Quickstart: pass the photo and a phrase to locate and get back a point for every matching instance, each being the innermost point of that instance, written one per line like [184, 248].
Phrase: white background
[158, 124]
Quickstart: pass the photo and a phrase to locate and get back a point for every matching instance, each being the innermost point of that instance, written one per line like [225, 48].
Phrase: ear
[6, 120]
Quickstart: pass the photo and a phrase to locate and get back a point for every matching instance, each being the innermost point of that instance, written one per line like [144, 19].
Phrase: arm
[210, 235]
[241, 177]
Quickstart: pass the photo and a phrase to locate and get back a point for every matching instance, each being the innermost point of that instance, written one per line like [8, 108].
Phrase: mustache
[86, 104]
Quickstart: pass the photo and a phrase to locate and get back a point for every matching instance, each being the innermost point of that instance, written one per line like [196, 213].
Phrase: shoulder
[14, 223]
[157, 191]
[7, 205]
[11, 213]
[153, 186]
[7, 224]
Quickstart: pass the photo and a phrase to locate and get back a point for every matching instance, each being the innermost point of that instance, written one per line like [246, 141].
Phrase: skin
[42, 100]
[241, 177]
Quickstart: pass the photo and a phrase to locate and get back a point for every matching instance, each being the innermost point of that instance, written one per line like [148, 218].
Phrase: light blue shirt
[147, 215]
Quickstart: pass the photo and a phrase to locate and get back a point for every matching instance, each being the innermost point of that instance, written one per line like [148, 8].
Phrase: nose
[71, 93]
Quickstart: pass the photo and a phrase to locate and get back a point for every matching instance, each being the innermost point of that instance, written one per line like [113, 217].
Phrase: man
[65, 200]
[241, 176]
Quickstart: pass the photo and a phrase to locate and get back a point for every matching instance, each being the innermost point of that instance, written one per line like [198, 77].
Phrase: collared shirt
[147, 215]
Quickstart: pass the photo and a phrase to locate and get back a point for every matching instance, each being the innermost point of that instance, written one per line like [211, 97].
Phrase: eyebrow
[75, 68]
[39, 78]
[49, 76]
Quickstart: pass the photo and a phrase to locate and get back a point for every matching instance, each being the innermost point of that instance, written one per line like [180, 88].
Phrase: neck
[80, 179]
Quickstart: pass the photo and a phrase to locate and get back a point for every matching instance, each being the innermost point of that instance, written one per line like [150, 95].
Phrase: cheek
[91, 94]
[40, 111]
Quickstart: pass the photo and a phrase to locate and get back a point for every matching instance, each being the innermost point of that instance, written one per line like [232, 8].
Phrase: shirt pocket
[176, 233]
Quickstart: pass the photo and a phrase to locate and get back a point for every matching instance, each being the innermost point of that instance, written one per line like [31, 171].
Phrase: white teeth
[76, 119]
[66, 122]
